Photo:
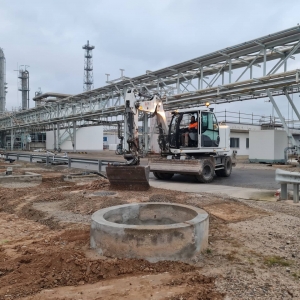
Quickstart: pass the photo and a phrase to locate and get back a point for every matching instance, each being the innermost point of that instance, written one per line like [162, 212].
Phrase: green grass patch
[276, 261]
[4, 242]
[208, 251]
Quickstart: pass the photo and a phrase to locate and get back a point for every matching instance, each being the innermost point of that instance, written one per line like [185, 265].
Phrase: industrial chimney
[2, 82]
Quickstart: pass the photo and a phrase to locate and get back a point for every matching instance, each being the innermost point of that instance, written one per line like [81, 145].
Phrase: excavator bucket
[128, 177]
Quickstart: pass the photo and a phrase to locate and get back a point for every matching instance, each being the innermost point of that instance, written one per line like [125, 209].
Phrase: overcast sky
[130, 34]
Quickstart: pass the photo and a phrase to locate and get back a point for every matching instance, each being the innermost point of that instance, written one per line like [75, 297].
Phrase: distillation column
[2, 82]
[24, 87]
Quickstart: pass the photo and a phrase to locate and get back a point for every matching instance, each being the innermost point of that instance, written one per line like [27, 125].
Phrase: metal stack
[24, 87]
[88, 78]
[2, 82]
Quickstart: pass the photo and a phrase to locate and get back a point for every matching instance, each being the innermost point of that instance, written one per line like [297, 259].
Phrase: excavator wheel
[226, 172]
[157, 175]
[163, 176]
[208, 171]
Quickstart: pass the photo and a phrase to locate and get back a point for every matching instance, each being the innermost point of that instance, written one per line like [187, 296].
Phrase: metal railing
[68, 160]
[252, 119]
[285, 178]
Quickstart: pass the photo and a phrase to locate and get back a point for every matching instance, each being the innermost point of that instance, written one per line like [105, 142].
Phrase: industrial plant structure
[223, 76]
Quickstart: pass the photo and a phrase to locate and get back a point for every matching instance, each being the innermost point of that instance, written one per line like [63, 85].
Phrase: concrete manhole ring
[153, 231]
[104, 193]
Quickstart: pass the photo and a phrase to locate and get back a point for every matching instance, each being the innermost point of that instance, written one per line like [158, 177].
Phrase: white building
[87, 139]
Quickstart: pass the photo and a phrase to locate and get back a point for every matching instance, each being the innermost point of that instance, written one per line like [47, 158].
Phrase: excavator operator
[193, 126]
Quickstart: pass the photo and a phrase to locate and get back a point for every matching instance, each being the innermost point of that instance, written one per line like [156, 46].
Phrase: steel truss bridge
[259, 68]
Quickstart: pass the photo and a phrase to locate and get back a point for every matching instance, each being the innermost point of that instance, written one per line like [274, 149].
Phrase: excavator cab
[204, 134]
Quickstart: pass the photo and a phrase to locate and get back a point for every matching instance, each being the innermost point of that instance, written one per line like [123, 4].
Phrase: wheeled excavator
[201, 151]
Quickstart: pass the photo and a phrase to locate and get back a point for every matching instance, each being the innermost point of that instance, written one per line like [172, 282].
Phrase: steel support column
[145, 133]
[178, 85]
[265, 62]
[283, 191]
[292, 104]
[125, 133]
[12, 138]
[229, 70]
[55, 141]
[290, 136]
[296, 193]
[74, 137]
[58, 137]
[201, 84]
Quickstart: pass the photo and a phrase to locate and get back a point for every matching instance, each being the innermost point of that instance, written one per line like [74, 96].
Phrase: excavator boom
[130, 175]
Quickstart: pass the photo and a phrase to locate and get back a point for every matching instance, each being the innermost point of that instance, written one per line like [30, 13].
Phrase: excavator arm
[129, 174]
[152, 105]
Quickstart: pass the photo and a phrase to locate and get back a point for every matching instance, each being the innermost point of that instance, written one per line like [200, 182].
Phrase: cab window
[209, 130]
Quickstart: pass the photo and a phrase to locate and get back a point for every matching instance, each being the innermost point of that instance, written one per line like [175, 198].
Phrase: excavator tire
[157, 175]
[163, 176]
[208, 171]
[226, 172]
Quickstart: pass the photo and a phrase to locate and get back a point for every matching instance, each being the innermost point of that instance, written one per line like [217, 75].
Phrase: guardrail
[69, 160]
[285, 178]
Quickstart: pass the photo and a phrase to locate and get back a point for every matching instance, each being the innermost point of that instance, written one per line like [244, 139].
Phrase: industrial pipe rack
[190, 83]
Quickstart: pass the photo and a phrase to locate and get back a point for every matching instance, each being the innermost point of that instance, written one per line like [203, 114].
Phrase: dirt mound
[34, 271]
[52, 177]
[9, 199]
[97, 184]
[33, 214]
[30, 213]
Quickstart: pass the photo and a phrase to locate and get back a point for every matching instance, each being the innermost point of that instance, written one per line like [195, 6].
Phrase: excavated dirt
[253, 248]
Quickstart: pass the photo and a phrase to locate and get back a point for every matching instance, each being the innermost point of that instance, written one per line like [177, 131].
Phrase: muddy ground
[253, 248]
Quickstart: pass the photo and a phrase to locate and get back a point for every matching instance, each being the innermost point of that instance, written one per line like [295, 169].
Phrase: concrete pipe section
[153, 231]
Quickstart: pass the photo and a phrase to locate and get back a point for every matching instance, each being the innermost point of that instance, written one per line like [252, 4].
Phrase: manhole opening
[104, 193]
[150, 214]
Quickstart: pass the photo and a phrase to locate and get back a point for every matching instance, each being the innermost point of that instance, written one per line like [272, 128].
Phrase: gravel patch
[19, 185]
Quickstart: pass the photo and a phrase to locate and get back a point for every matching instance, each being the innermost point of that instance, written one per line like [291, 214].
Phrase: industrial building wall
[87, 138]
[267, 146]
[242, 137]
[280, 143]
[110, 141]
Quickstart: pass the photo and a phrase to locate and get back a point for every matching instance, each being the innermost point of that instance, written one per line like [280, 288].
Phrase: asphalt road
[249, 178]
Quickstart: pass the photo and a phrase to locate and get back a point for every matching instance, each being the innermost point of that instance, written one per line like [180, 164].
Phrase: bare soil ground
[44, 247]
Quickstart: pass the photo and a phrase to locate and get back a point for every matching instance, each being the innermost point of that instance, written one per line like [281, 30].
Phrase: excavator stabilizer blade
[128, 177]
[175, 166]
